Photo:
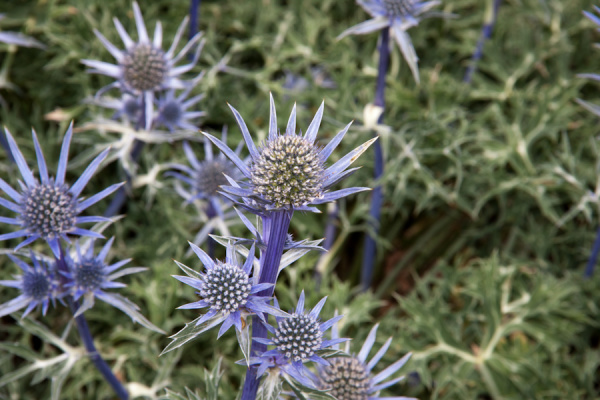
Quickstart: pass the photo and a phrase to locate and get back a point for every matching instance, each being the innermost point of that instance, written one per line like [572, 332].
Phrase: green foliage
[489, 216]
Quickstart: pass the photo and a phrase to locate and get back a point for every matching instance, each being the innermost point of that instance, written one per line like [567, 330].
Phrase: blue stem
[591, 264]
[121, 196]
[275, 229]
[370, 253]
[486, 33]
[210, 214]
[88, 341]
[194, 17]
[330, 230]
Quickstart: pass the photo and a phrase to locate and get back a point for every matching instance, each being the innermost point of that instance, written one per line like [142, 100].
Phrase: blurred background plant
[490, 209]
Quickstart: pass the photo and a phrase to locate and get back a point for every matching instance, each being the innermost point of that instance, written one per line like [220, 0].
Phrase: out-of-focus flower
[585, 104]
[349, 378]
[38, 285]
[204, 178]
[398, 16]
[89, 276]
[173, 111]
[143, 67]
[18, 39]
[49, 208]
[227, 290]
[288, 173]
[297, 340]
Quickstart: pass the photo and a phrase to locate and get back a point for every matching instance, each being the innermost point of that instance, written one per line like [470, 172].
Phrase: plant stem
[88, 341]
[370, 253]
[486, 33]
[275, 229]
[194, 17]
[591, 264]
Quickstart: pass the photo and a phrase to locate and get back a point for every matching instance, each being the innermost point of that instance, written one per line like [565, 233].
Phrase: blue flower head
[49, 208]
[288, 172]
[227, 290]
[89, 277]
[38, 285]
[297, 339]
[204, 178]
[398, 16]
[173, 110]
[143, 67]
[352, 377]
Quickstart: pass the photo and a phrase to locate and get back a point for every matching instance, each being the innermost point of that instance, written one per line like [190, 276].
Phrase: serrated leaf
[270, 388]
[191, 331]
[302, 391]
[245, 342]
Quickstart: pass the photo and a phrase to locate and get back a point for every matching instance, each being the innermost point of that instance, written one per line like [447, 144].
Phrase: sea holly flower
[18, 39]
[349, 378]
[398, 16]
[297, 339]
[227, 290]
[143, 67]
[173, 111]
[38, 285]
[49, 208]
[204, 178]
[89, 276]
[288, 172]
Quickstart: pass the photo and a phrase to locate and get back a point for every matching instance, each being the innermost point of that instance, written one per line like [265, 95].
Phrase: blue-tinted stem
[486, 33]
[370, 253]
[88, 340]
[119, 198]
[210, 214]
[275, 229]
[194, 17]
[121, 195]
[591, 264]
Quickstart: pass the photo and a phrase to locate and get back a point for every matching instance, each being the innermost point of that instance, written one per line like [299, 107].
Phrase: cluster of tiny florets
[89, 274]
[37, 284]
[171, 112]
[347, 379]
[288, 172]
[226, 288]
[298, 337]
[398, 8]
[144, 67]
[209, 177]
[49, 210]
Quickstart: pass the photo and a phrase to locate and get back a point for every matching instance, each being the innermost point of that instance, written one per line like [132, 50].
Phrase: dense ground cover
[490, 207]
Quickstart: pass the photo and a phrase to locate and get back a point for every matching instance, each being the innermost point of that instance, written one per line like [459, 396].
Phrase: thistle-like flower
[204, 178]
[297, 339]
[227, 290]
[49, 208]
[173, 110]
[288, 172]
[351, 378]
[38, 285]
[143, 67]
[398, 16]
[89, 276]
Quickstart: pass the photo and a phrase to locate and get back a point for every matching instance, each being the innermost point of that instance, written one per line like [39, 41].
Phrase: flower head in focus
[89, 276]
[297, 340]
[49, 208]
[398, 16]
[351, 378]
[288, 172]
[143, 67]
[38, 284]
[227, 290]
